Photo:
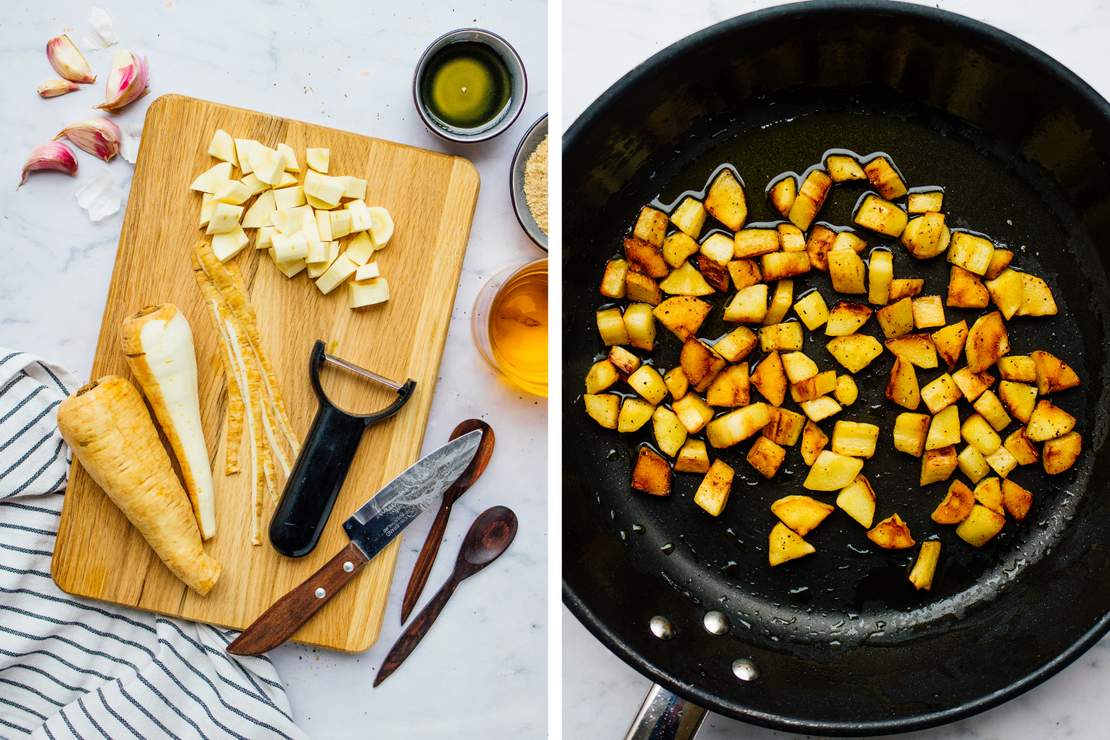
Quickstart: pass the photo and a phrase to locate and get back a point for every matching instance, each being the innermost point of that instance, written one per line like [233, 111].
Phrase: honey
[512, 330]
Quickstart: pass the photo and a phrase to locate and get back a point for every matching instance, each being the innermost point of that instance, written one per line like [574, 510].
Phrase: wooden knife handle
[278, 623]
[416, 630]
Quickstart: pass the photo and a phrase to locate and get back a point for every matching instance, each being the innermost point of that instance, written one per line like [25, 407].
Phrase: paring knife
[370, 529]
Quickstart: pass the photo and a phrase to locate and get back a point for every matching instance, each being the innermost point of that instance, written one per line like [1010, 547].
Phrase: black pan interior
[843, 642]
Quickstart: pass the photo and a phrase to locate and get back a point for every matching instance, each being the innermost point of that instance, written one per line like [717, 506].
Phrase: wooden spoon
[427, 557]
[489, 536]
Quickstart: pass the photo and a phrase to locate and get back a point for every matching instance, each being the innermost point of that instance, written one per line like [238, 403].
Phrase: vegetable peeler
[325, 458]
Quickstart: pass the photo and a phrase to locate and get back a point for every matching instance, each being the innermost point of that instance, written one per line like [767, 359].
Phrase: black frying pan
[842, 643]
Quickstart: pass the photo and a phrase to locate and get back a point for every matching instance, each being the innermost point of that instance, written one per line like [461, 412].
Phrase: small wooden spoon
[427, 557]
[489, 536]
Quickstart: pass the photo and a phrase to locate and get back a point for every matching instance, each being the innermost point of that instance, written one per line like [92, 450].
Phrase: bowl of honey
[509, 323]
[469, 85]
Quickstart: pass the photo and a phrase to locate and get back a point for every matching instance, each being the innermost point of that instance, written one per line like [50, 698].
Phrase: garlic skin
[127, 82]
[54, 88]
[97, 136]
[53, 155]
[67, 60]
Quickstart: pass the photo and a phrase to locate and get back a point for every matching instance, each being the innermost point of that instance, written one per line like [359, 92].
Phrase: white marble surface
[600, 692]
[481, 671]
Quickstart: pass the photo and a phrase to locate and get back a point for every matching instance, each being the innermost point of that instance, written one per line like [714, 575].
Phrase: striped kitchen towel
[72, 668]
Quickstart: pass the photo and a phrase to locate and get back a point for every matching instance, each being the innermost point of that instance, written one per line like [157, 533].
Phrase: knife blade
[373, 526]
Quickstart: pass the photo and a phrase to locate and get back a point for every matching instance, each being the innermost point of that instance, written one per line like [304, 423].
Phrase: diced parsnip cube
[766, 456]
[207, 204]
[343, 268]
[731, 387]
[847, 271]
[360, 249]
[341, 226]
[1007, 291]
[944, 429]
[821, 408]
[880, 216]
[714, 274]
[813, 442]
[844, 167]
[737, 344]
[225, 218]
[612, 280]
[369, 271]
[1037, 298]
[640, 322]
[1021, 448]
[798, 366]
[651, 226]
[284, 180]
[791, 238]
[769, 378]
[233, 192]
[682, 315]
[267, 164]
[846, 391]
[781, 299]
[675, 380]
[330, 253]
[981, 526]
[980, 434]
[712, 494]
[855, 352]
[718, 247]
[857, 500]
[227, 245]
[260, 212]
[987, 340]
[725, 200]
[679, 246]
[360, 216]
[855, 439]
[937, 465]
[785, 427]
[748, 306]
[812, 310]
[971, 252]
[906, 288]
[610, 322]
[940, 393]
[849, 240]
[902, 388]
[693, 412]
[1061, 453]
[966, 290]
[353, 187]
[649, 384]
[1002, 462]
[323, 225]
[689, 217]
[783, 545]
[286, 198]
[1019, 398]
[885, 178]
[891, 534]
[244, 148]
[692, 458]
[755, 242]
[782, 194]
[652, 473]
[211, 179]
[949, 342]
[700, 363]
[801, 513]
[625, 362]
[921, 575]
[956, 504]
[972, 463]
[635, 412]
[880, 273]
[809, 389]
[265, 238]
[318, 158]
[781, 337]
[1018, 368]
[670, 435]
[990, 408]
[924, 201]
[846, 318]
[290, 158]
[744, 273]
[831, 472]
[926, 236]
[972, 385]
[989, 494]
[603, 408]
[818, 244]
[642, 289]
[811, 196]
[323, 187]
[1052, 374]
[363, 293]
[601, 376]
[916, 349]
[288, 269]
[222, 147]
[1048, 421]
[896, 319]
[909, 433]
[778, 265]
[1016, 499]
[736, 426]
[928, 312]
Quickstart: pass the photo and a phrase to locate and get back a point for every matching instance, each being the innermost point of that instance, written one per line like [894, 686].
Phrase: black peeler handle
[322, 465]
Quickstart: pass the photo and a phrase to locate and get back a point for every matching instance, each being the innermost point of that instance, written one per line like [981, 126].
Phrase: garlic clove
[97, 136]
[53, 155]
[67, 60]
[127, 82]
[56, 87]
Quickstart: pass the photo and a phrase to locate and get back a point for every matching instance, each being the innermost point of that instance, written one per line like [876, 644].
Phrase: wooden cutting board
[431, 197]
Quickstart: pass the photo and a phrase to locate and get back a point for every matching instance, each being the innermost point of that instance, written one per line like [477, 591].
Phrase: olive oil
[510, 326]
[466, 85]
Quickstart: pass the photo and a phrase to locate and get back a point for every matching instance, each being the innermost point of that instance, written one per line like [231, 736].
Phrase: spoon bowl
[478, 464]
[489, 536]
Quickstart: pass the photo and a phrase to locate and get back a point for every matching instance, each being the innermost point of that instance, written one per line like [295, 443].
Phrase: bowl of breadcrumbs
[528, 183]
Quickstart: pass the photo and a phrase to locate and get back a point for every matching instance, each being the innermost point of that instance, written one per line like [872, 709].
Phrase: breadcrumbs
[535, 184]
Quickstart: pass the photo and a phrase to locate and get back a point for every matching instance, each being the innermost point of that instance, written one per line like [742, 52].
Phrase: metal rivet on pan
[321, 593]
[745, 669]
[348, 566]
[715, 622]
[662, 628]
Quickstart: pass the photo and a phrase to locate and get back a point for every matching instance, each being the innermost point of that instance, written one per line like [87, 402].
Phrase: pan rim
[574, 602]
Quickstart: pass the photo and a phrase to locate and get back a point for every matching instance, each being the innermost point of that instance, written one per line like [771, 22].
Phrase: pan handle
[665, 716]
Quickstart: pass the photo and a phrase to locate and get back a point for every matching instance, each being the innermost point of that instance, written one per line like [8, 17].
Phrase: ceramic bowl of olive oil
[469, 85]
